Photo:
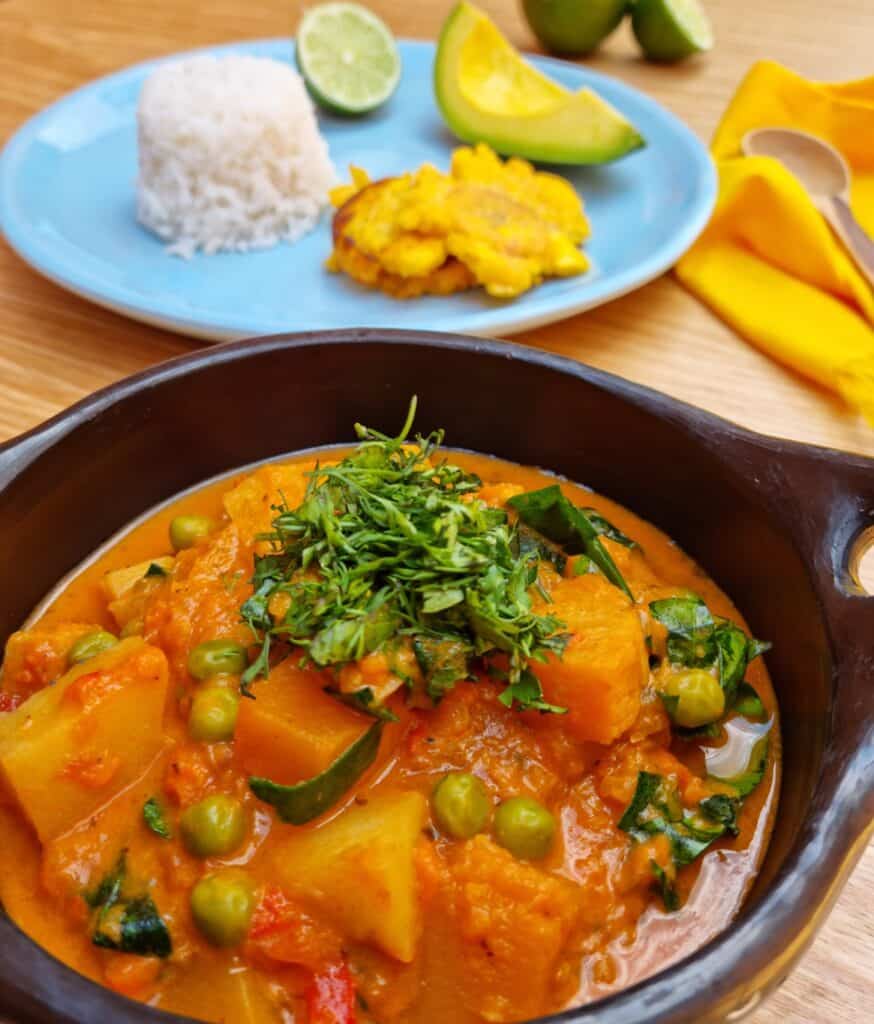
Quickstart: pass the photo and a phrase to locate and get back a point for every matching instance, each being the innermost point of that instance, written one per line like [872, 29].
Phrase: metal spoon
[825, 174]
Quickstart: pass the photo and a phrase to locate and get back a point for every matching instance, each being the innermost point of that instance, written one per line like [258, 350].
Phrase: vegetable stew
[397, 733]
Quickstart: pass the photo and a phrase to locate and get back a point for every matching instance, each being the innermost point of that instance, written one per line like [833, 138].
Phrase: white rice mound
[230, 155]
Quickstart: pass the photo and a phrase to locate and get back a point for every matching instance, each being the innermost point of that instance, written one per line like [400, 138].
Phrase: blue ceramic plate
[67, 206]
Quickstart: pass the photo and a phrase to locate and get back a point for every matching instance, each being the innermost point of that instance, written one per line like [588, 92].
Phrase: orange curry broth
[581, 924]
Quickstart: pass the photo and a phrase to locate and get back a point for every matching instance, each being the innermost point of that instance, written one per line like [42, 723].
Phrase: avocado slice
[488, 93]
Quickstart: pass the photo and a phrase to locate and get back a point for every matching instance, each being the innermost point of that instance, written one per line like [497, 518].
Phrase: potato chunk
[359, 871]
[293, 729]
[604, 668]
[514, 922]
[72, 747]
[118, 582]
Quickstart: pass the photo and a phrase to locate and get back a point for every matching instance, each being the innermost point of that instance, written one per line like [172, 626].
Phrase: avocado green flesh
[586, 130]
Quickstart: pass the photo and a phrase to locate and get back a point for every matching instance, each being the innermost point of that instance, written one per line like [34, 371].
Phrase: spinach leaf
[128, 925]
[527, 694]
[107, 892]
[670, 899]
[606, 529]
[549, 512]
[684, 616]
[153, 815]
[528, 543]
[748, 702]
[656, 809]
[724, 810]
[143, 931]
[365, 700]
[648, 788]
[698, 639]
[306, 800]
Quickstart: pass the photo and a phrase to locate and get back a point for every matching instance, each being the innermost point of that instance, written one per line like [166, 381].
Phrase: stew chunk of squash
[71, 747]
[358, 870]
[602, 673]
[514, 922]
[293, 729]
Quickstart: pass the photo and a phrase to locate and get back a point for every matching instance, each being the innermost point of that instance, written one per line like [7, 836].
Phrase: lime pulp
[671, 30]
[347, 57]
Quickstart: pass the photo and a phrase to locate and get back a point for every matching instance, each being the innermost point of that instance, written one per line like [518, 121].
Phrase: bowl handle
[833, 494]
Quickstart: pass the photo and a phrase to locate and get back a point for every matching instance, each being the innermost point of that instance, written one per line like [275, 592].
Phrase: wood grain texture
[55, 348]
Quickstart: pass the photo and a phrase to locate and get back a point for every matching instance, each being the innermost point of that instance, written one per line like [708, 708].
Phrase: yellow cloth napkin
[768, 263]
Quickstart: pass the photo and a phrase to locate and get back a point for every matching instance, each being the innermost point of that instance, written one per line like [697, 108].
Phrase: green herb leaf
[606, 529]
[532, 545]
[748, 702]
[153, 815]
[107, 892]
[156, 570]
[665, 887]
[298, 804]
[682, 615]
[350, 639]
[527, 695]
[698, 639]
[648, 788]
[141, 931]
[549, 512]
[387, 544]
[722, 809]
[443, 661]
[365, 700]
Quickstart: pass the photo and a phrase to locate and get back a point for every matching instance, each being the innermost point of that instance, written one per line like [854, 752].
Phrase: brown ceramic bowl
[772, 521]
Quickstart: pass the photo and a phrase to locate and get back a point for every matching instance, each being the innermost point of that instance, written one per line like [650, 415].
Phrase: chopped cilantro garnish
[392, 541]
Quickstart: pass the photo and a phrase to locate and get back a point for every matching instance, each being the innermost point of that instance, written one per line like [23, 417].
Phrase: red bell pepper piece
[330, 997]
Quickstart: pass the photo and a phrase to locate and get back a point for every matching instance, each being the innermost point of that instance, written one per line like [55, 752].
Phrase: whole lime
[573, 27]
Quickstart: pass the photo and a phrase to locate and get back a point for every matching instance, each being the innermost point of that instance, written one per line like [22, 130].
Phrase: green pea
[90, 644]
[697, 698]
[214, 827]
[217, 658]
[222, 906]
[186, 531]
[461, 805]
[213, 714]
[524, 827]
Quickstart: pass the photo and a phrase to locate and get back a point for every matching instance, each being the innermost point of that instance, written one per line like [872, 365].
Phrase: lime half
[671, 30]
[348, 57]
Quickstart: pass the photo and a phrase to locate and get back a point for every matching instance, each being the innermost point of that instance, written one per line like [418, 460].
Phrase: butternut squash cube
[604, 668]
[70, 748]
[250, 504]
[293, 729]
[359, 871]
[513, 923]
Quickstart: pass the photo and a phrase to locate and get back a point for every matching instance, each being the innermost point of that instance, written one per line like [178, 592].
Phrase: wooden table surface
[55, 348]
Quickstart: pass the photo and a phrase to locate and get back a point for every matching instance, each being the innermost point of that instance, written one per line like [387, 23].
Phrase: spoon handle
[860, 244]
